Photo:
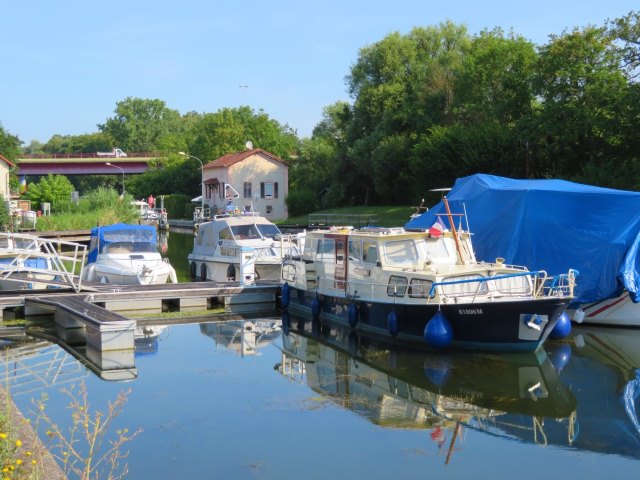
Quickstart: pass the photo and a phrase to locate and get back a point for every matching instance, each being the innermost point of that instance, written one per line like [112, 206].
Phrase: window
[269, 209]
[420, 288]
[355, 250]
[397, 286]
[268, 189]
[401, 252]
[247, 189]
[369, 252]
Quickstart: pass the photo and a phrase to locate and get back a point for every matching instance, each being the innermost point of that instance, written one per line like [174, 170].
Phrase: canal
[276, 398]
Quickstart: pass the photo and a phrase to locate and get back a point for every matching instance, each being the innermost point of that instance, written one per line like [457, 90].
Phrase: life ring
[237, 211]
[203, 272]
[192, 270]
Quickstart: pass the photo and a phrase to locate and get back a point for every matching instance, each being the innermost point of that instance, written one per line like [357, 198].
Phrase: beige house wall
[255, 169]
[4, 180]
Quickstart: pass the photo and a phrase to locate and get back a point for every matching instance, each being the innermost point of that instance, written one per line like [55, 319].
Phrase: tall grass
[99, 207]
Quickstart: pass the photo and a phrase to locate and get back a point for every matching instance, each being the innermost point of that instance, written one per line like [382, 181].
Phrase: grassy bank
[387, 216]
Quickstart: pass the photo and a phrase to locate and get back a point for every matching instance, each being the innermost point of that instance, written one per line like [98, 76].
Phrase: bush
[177, 206]
[301, 202]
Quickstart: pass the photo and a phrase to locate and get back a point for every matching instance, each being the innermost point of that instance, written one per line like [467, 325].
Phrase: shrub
[301, 202]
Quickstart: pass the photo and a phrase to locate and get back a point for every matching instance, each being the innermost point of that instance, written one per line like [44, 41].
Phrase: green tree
[55, 189]
[583, 92]
[9, 145]
[142, 125]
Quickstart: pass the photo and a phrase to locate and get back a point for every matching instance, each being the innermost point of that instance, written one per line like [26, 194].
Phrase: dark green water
[264, 399]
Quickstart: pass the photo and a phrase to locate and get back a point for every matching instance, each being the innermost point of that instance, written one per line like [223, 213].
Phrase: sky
[67, 63]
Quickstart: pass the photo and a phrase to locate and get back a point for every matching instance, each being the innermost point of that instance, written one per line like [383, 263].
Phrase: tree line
[427, 107]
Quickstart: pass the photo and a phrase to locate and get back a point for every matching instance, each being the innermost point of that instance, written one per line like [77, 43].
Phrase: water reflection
[581, 394]
[244, 336]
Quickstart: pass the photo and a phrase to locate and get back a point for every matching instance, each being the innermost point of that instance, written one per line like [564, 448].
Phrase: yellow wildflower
[33, 462]
[5, 470]
[19, 461]
[3, 436]
[18, 443]
[28, 454]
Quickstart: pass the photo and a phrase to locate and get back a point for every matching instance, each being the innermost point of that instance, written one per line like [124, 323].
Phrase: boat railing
[67, 260]
[496, 287]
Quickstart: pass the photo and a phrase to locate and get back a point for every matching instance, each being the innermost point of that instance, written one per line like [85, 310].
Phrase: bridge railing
[40, 156]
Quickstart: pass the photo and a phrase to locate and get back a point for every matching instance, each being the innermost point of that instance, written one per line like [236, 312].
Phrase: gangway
[29, 262]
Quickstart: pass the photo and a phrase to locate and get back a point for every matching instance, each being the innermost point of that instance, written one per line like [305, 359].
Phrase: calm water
[244, 399]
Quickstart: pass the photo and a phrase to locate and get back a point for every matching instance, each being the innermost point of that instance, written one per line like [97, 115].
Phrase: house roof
[233, 158]
[7, 161]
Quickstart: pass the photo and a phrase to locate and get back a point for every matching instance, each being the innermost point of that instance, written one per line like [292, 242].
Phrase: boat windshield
[268, 230]
[130, 247]
[245, 232]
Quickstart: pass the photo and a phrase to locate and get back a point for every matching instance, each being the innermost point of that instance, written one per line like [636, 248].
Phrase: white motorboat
[126, 255]
[424, 288]
[227, 243]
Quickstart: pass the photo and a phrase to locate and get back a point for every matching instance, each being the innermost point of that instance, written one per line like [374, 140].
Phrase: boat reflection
[604, 374]
[243, 336]
[146, 339]
[445, 392]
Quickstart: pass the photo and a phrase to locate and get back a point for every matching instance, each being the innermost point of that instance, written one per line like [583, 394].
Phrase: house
[252, 179]
[6, 166]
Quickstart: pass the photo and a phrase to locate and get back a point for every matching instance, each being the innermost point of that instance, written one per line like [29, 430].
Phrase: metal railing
[61, 267]
[354, 219]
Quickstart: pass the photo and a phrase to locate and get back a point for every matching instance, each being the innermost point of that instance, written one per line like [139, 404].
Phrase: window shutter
[261, 189]
[275, 190]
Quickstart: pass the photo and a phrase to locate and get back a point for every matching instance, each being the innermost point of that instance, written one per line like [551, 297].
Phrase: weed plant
[102, 206]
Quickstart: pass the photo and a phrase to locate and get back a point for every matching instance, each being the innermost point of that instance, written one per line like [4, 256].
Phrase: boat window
[225, 234]
[229, 251]
[437, 248]
[118, 247]
[420, 288]
[268, 231]
[397, 286]
[244, 232]
[469, 285]
[326, 250]
[401, 251]
[520, 285]
[369, 252]
[355, 250]
[289, 273]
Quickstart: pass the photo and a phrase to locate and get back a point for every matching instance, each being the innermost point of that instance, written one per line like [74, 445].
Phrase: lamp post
[122, 170]
[201, 181]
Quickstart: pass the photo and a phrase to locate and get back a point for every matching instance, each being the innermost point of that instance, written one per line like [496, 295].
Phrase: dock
[96, 324]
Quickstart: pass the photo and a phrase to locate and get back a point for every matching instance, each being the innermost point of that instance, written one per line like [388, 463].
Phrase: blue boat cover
[118, 232]
[552, 225]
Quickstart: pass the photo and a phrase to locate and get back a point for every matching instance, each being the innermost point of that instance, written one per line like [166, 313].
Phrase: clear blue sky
[66, 64]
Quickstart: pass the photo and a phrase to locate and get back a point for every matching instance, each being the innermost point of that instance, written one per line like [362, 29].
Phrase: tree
[582, 91]
[55, 189]
[142, 125]
[9, 145]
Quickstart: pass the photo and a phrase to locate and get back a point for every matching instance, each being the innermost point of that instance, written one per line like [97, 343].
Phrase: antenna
[249, 145]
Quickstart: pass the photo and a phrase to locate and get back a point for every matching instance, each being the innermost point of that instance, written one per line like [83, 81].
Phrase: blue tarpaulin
[552, 225]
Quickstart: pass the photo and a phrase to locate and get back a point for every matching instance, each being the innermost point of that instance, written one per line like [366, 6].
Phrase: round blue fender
[392, 323]
[559, 354]
[438, 369]
[285, 296]
[438, 331]
[562, 328]
[315, 307]
[286, 322]
[353, 314]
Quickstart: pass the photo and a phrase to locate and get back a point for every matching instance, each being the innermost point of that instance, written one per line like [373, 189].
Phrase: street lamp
[122, 170]
[201, 181]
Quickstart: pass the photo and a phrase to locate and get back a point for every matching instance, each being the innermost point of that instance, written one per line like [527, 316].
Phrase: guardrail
[353, 219]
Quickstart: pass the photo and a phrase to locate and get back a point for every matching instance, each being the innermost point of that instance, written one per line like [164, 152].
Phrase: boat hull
[492, 326]
[618, 311]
